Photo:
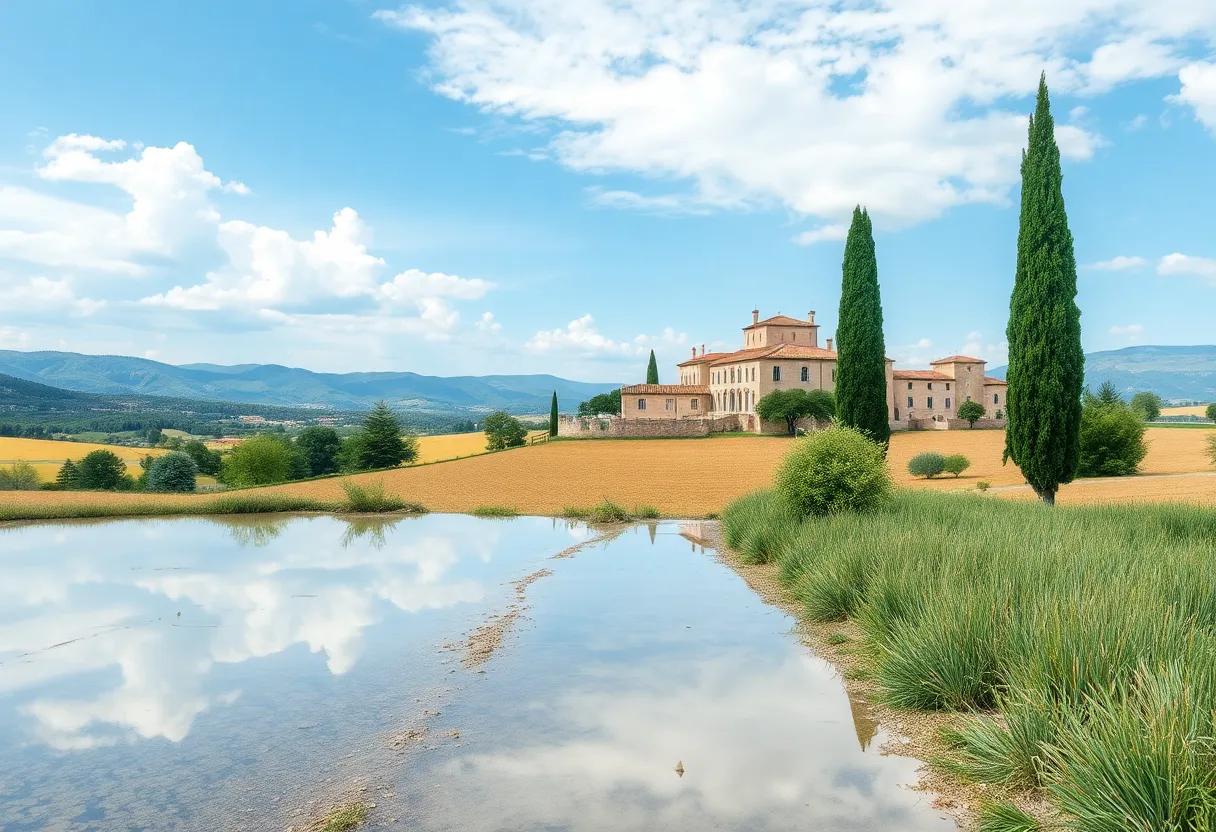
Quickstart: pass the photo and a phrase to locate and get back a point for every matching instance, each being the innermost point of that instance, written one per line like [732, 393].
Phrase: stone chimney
[810, 316]
[694, 352]
[830, 344]
[702, 349]
[755, 316]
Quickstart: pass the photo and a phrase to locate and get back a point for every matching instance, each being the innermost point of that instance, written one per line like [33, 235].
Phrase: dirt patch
[910, 733]
[483, 642]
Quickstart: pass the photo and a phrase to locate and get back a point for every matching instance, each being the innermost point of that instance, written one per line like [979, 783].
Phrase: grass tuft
[342, 818]
[606, 511]
[493, 511]
[1005, 817]
[373, 499]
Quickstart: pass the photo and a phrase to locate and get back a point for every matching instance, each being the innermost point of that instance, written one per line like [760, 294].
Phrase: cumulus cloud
[46, 294]
[1198, 91]
[1131, 331]
[910, 108]
[487, 324]
[832, 231]
[1187, 265]
[1119, 263]
[582, 337]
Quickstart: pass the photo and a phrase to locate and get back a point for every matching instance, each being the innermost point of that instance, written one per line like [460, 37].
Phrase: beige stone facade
[780, 353]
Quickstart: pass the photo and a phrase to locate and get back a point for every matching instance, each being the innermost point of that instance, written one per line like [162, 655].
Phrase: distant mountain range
[272, 384]
[1170, 372]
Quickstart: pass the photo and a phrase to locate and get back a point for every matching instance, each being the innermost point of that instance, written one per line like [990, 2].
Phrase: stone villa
[718, 391]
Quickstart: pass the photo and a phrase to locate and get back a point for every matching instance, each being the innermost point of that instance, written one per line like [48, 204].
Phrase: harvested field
[47, 455]
[1188, 410]
[454, 446]
[695, 477]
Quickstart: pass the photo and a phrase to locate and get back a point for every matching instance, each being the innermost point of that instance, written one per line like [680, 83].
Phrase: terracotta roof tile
[667, 389]
[958, 359]
[780, 320]
[991, 380]
[701, 359]
[792, 352]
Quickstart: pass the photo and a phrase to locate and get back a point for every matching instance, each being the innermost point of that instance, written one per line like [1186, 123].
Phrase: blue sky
[544, 186]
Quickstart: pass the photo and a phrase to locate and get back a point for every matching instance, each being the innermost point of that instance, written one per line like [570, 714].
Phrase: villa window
[996, 399]
[929, 402]
[947, 385]
[930, 385]
[696, 405]
[776, 373]
[909, 402]
[670, 404]
[947, 403]
[833, 374]
[909, 385]
[806, 374]
[641, 404]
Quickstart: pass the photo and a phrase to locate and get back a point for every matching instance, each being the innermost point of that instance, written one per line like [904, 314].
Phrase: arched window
[806, 373]
[776, 372]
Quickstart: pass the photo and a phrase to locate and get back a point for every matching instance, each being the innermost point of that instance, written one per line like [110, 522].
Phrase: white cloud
[46, 294]
[1137, 123]
[1131, 331]
[487, 324]
[1187, 265]
[995, 353]
[1199, 91]
[832, 231]
[909, 108]
[1119, 263]
[414, 283]
[580, 336]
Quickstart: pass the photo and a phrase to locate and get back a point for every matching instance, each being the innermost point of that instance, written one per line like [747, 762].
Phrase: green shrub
[1112, 440]
[173, 472]
[494, 511]
[832, 471]
[20, 476]
[1212, 448]
[646, 512]
[504, 431]
[955, 464]
[372, 498]
[606, 511]
[1210, 412]
[983, 485]
[928, 464]
[263, 459]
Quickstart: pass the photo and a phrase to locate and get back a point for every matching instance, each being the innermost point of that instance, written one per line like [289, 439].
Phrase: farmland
[47, 455]
[453, 446]
[695, 477]
[1188, 410]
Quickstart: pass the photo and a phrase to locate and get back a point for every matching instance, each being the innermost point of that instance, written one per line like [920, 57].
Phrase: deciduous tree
[971, 411]
[794, 404]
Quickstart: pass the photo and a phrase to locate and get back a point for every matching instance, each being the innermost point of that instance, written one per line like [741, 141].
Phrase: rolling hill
[272, 384]
[1179, 373]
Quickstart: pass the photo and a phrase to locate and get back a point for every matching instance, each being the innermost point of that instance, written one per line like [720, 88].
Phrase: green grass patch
[342, 818]
[373, 499]
[494, 511]
[1081, 641]
[1005, 817]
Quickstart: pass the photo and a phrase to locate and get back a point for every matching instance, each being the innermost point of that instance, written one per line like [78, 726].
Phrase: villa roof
[667, 389]
[958, 359]
[781, 320]
[702, 358]
[991, 380]
[921, 375]
[793, 352]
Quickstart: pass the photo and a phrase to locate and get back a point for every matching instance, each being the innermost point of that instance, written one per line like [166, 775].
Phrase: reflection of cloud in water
[758, 741]
[308, 585]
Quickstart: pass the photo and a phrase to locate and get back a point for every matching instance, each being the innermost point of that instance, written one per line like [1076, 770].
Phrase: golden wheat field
[1189, 410]
[47, 455]
[453, 446]
[695, 477]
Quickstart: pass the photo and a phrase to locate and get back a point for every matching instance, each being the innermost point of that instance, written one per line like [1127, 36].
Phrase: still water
[200, 674]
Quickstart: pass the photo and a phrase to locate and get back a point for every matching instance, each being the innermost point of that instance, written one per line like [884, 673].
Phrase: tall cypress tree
[652, 370]
[861, 361]
[1046, 363]
[553, 415]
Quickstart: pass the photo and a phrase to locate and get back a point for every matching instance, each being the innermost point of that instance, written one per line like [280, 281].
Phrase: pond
[457, 673]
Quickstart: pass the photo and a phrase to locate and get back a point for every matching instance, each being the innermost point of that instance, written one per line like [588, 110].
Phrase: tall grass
[1082, 640]
[373, 499]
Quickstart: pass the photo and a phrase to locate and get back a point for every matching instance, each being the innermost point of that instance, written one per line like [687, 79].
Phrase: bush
[20, 476]
[1212, 448]
[207, 460]
[927, 465]
[172, 472]
[101, 470]
[955, 464]
[372, 498]
[504, 431]
[1112, 440]
[831, 471]
[971, 411]
[261, 460]
[1211, 412]
[606, 511]
[983, 485]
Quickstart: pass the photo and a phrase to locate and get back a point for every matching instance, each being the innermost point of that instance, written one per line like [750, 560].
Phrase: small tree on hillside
[1148, 405]
[1046, 362]
[1107, 395]
[795, 404]
[1111, 438]
[68, 476]
[380, 442]
[172, 472]
[260, 460]
[1211, 412]
[207, 460]
[319, 446]
[101, 470]
[504, 431]
[861, 363]
[553, 415]
[20, 476]
[603, 403]
[652, 370]
[971, 412]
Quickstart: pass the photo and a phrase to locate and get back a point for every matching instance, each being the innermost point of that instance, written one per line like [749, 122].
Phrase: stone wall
[949, 424]
[614, 427]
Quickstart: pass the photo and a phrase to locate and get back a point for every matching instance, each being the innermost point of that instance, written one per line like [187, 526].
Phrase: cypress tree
[553, 415]
[861, 361]
[652, 370]
[1046, 363]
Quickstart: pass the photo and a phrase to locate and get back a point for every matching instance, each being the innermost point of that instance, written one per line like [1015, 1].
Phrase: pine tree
[652, 370]
[68, 476]
[1046, 363]
[553, 415]
[861, 362]
[380, 443]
